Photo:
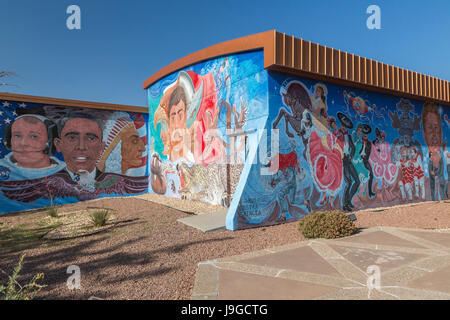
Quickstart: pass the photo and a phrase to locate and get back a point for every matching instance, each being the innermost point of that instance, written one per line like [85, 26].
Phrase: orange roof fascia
[263, 40]
[71, 103]
[286, 53]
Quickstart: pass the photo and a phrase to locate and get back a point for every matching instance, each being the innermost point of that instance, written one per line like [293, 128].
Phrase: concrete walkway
[207, 222]
[413, 264]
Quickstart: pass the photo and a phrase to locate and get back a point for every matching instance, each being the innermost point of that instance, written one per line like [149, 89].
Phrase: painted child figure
[418, 174]
[407, 171]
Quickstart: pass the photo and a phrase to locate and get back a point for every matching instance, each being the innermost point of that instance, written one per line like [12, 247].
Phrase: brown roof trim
[353, 84]
[314, 60]
[289, 54]
[70, 103]
[263, 40]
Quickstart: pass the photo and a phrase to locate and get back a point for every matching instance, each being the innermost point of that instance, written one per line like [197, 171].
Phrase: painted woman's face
[28, 142]
[319, 91]
[132, 148]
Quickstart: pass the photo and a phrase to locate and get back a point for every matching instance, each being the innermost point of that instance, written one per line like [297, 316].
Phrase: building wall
[192, 156]
[57, 155]
[402, 158]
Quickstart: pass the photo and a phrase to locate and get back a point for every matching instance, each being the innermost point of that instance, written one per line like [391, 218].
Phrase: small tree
[4, 74]
[15, 291]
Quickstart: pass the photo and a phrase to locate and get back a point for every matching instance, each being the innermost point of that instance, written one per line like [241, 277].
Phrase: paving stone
[385, 259]
[335, 269]
[300, 259]
[381, 238]
[436, 281]
[441, 238]
[239, 286]
[207, 222]
[206, 280]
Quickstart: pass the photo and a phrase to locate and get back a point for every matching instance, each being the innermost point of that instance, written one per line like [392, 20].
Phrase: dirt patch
[429, 215]
[187, 206]
[78, 223]
[149, 255]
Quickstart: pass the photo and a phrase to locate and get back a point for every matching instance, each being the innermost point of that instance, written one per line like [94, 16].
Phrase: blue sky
[121, 43]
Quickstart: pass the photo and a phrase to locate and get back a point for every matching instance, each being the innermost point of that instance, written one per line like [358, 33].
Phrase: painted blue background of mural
[39, 168]
[233, 86]
[343, 148]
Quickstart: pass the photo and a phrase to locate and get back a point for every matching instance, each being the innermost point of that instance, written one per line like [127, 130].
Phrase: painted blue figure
[286, 194]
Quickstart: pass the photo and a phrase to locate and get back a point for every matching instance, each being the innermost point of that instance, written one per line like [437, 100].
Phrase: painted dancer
[325, 156]
[351, 178]
[418, 173]
[380, 159]
[365, 155]
[407, 171]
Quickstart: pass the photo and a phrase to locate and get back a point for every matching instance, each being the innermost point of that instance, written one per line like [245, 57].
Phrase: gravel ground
[149, 255]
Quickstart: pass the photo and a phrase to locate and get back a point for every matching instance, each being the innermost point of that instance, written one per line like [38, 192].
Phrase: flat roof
[288, 54]
[70, 103]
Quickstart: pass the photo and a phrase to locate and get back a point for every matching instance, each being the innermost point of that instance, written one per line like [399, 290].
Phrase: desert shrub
[13, 290]
[99, 217]
[326, 224]
[53, 212]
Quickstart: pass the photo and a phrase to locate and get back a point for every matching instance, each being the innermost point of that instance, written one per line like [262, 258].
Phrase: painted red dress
[417, 166]
[325, 155]
[407, 171]
[208, 148]
[382, 166]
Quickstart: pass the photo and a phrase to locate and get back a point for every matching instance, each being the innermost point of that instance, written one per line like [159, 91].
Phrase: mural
[55, 155]
[347, 149]
[199, 120]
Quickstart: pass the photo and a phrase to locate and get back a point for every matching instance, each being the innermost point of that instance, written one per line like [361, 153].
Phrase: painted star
[22, 105]
[1, 113]
[7, 121]
[6, 104]
[14, 113]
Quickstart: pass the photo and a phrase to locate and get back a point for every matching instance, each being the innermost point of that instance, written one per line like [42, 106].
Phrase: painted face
[334, 126]
[359, 131]
[80, 144]
[404, 153]
[432, 131]
[28, 141]
[177, 116]
[319, 91]
[132, 148]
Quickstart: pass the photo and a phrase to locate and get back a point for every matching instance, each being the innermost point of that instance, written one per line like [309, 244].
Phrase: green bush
[15, 291]
[100, 217]
[326, 224]
[53, 212]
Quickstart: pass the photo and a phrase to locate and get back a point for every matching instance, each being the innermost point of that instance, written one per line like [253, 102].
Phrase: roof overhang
[70, 103]
[296, 56]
